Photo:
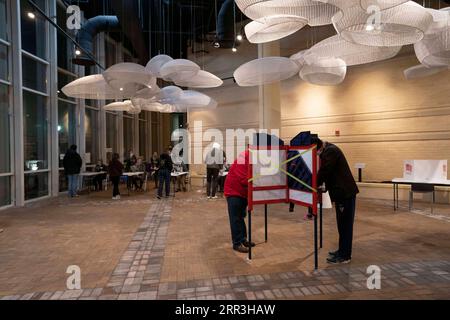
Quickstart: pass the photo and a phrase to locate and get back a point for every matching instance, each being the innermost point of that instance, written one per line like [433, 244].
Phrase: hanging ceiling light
[299, 58]
[92, 87]
[273, 27]
[317, 13]
[155, 64]
[203, 79]
[179, 69]
[434, 49]
[351, 53]
[421, 71]
[397, 26]
[128, 77]
[324, 72]
[265, 71]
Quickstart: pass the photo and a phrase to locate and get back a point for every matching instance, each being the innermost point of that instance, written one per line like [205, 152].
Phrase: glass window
[65, 46]
[66, 128]
[5, 191]
[35, 134]
[4, 62]
[33, 27]
[3, 17]
[63, 181]
[111, 134]
[92, 137]
[34, 74]
[128, 135]
[63, 79]
[5, 156]
[143, 138]
[36, 185]
[110, 53]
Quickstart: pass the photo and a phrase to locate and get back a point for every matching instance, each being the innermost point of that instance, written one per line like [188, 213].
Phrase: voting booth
[278, 173]
[425, 170]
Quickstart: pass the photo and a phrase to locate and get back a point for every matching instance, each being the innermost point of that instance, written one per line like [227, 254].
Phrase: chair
[422, 188]
[144, 183]
[106, 182]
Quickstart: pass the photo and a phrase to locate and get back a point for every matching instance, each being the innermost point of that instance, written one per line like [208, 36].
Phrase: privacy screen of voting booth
[282, 174]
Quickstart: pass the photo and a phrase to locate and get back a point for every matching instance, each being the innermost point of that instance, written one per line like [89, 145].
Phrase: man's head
[73, 147]
[319, 144]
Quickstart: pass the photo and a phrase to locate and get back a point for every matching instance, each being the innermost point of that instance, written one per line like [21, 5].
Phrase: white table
[90, 176]
[175, 175]
[129, 175]
[397, 181]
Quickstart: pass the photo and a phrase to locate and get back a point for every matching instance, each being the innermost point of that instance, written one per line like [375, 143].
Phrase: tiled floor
[142, 248]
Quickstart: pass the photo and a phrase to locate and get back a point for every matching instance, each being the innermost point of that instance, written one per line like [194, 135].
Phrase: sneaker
[209, 197]
[159, 197]
[1, 230]
[114, 198]
[118, 197]
[248, 244]
[307, 217]
[215, 197]
[333, 253]
[338, 260]
[240, 248]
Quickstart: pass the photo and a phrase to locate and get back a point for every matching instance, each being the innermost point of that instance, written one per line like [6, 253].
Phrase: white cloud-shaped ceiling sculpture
[353, 54]
[401, 25]
[203, 79]
[421, 71]
[273, 28]
[434, 49]
[324, 72]
[179, 69]
[265, 71]
[124, 106]
[155, 64]
[128, 77]
[92, 87]
[382, 4]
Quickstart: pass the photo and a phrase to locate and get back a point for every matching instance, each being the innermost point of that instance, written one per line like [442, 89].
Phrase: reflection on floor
[179, 248]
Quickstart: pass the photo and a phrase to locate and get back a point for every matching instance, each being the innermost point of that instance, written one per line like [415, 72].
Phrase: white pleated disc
[128, 77]
[324, 72]
[155, 64]
[422, 71]
[123, 106]
[299, 58]
[382, 4]
[265, 71]
[92, 87]
[351, 53]
[179, 69]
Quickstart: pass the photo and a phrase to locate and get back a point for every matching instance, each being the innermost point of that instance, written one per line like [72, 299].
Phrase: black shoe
[338, 260]
[240, 248]
[333, 253]
[159, 197]
[247, 244]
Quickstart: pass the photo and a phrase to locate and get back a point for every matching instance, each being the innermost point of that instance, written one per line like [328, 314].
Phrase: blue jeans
[237, 211]
[345, 217]
[164, 178]
[73, 184]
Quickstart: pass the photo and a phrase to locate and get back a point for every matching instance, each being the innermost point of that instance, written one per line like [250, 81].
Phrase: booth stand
[284, 174]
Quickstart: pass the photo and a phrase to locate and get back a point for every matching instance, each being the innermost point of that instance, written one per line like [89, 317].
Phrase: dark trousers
[237, 211]
[211, 181]
[345, 217]
[164, 178]
[115, 181]
[98, 182]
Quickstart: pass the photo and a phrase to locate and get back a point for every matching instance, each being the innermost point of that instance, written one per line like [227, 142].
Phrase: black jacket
[336, 173]
[115, 168]
[72, 162]
[165, 162]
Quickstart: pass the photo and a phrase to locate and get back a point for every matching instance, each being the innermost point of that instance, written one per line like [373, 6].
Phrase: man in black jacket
[72, 165]
[165, 171]
[336, 174]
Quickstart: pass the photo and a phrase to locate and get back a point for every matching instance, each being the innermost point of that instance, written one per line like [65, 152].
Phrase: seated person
[138, 181]
[181, 180]
[98, 179]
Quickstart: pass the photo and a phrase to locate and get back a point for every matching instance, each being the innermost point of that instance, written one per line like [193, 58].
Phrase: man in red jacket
[236, 193]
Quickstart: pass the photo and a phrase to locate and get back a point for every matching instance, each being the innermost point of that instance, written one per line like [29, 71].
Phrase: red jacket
[236, 183]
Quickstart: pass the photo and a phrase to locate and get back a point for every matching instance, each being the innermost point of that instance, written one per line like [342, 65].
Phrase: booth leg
[265, 221]
[321, 224]
[316, 250]
[250, 235]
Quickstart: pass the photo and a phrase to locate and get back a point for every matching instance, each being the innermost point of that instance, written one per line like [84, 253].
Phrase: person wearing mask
[154, 167]
[236, 193]
[165, 170]
[72, 166]
[335, 173]
[115, 170]
[214, 162]
[98, 179]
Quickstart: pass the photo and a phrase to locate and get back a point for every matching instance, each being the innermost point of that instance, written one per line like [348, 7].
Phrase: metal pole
[316, 250]
[265, 222]
[321, 223]
[250, 235]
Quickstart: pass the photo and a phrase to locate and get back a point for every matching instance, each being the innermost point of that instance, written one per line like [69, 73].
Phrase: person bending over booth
[236, 186]
[336, 174]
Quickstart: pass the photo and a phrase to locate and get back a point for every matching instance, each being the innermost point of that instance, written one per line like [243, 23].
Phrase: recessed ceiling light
[370, 27]
[234, 49]
[121, 89]
[239, 37]
[77, 52]
[31, 15]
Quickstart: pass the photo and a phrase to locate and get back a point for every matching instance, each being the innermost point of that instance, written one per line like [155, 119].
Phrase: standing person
[115, 170]
[98, 179]
[336, 174]
[72, 166]
[154, 165]
[236, 192]
[165, 170]
[214, 162]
